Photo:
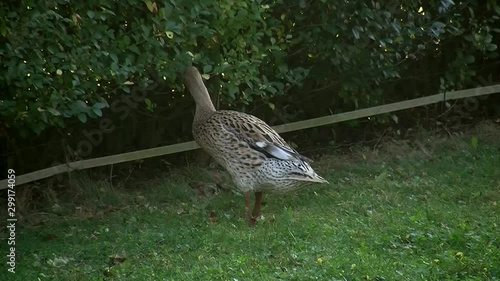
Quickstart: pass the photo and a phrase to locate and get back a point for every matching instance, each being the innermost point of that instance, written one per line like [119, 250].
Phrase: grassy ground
[424, 213]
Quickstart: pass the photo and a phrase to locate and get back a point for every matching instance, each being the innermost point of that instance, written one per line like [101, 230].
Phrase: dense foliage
[64, 59]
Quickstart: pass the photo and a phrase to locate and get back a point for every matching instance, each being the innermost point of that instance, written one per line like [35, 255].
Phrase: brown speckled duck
[256, 157]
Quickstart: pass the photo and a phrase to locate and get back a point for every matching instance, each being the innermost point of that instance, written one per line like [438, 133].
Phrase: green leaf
[438, 25]
[3, 29]
[134, 49]
[44, 117]
[207, 68]
[491, 47]
[53, 111]
[82, 117]
[152, 7]
[356, 33]
[99, 105]
[470, 59]
[497, 9]
[81, 106]
[97, 112]
[113, 57]
[474, 141]
[232, 90]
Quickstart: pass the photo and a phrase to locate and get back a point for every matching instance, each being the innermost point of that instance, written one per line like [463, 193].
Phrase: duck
[256, 157]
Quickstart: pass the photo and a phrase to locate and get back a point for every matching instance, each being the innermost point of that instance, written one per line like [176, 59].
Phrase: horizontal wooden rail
[366, 112]
[300, 125]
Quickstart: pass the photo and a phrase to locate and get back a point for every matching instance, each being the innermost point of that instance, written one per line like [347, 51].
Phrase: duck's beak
[318, 179]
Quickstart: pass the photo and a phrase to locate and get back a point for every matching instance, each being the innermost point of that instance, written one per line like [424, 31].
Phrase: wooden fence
[295, 126]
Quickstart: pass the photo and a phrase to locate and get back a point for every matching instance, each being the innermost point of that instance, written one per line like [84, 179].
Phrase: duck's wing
[259, 136]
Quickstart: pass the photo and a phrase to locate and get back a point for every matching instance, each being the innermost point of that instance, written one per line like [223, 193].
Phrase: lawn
[417, 212]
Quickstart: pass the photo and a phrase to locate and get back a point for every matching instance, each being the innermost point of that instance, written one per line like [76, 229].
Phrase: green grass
[402, 217]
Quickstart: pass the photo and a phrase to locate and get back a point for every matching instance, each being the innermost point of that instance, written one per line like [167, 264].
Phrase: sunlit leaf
[474, 142]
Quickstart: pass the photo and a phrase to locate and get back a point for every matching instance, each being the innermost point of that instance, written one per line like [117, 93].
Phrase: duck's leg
[251, 220]
[258, 202]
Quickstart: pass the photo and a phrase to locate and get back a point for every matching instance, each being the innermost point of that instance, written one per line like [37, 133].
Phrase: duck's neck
[204, 105]
[202, 114]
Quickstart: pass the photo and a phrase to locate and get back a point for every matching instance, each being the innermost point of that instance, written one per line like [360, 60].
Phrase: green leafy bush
[351, 47]
[66, 59]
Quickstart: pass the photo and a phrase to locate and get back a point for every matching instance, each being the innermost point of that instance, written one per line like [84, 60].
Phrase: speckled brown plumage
[256, 157]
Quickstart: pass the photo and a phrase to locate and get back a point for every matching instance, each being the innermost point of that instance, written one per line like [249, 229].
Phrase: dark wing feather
[258, 135]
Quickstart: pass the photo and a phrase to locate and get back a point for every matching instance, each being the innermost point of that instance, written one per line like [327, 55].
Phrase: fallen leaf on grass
[58, 261]
[116, 259]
